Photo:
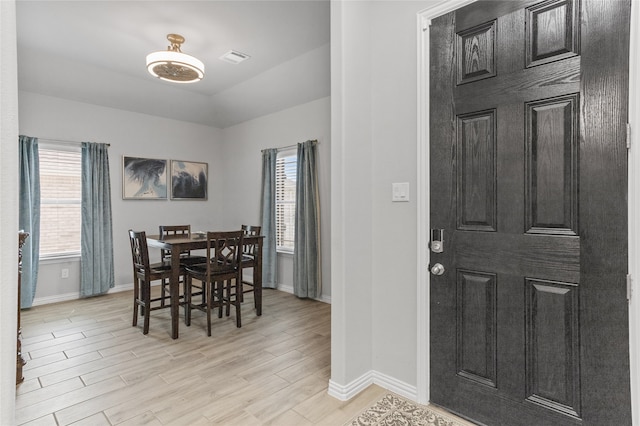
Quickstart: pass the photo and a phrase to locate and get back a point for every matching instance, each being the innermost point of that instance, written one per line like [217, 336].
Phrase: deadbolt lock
[437, 240]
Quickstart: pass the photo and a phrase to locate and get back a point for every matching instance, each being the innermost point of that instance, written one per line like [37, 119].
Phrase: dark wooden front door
[529, 321]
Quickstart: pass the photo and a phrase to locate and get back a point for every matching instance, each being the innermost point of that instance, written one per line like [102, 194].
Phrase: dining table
[198, 241]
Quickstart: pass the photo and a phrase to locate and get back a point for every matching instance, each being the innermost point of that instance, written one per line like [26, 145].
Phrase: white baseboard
[289, 289]
[346, 392]
[55, 299]
[124, 287]
[76, 295]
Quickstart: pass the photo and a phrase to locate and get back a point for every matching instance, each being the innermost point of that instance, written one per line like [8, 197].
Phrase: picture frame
[144, 178]
[189, 180]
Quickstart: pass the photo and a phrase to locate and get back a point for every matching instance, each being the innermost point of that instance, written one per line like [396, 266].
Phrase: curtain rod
[283, 148]
[62, 141]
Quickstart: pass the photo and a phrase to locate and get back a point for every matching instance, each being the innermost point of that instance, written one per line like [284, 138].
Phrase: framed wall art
[188, 180]
[144, 178]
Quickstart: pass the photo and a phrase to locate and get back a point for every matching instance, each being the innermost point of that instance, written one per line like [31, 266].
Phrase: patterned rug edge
[396, 410]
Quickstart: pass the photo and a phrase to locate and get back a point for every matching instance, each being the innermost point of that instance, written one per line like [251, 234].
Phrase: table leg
[174, 291]
[257, 280]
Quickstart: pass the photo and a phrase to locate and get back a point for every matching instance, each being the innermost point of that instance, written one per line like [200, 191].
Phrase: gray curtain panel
[96, 272]
[306, 257]
[29, 220]
[268, 214]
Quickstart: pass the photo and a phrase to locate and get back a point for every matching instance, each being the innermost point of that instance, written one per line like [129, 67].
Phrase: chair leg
[209, 303]
[255, 299]
[141, 299]
[136, 290]
[237, 302]
[187, 300]
[228, 296]
[220, 294]
[162, 292]
[241, 286]
[204, 290]
[185, 277]
[146, 289]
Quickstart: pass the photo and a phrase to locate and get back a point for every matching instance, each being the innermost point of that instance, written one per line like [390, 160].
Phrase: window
[60, 200]
[286, 169]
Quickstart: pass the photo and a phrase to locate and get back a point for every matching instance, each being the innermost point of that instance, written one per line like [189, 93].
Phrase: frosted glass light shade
[176, 67]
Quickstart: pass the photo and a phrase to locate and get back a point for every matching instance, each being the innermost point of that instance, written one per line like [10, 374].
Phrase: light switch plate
[400, 192]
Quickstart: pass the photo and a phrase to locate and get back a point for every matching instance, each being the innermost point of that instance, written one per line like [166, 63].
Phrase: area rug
[393, 410]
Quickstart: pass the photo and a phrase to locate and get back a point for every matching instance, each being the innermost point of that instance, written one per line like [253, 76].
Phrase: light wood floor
[86, 365]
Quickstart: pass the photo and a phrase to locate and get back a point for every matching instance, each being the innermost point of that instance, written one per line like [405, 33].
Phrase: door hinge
[629, 287]
[628, 136]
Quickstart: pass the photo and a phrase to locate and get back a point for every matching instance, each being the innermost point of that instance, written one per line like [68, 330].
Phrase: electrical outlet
[64, 273]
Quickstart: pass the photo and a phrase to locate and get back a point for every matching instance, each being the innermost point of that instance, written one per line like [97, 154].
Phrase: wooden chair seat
[159, 267]
[200, 269]
[192, 260]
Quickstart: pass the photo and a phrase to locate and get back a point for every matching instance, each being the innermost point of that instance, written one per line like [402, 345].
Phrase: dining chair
[143, 274]
[177, 231]
[248, 259]
[220, 277]
[186, 258]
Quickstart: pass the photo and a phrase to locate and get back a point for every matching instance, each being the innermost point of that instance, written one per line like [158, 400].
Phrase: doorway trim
[634, 211]
[424, 18]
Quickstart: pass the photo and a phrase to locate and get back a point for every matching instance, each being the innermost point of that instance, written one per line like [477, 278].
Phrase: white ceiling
[94, 52]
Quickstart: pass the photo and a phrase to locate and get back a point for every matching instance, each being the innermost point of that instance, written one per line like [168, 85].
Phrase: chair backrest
[250, 231]
[173, 231]
[139, 252]
[223, 250]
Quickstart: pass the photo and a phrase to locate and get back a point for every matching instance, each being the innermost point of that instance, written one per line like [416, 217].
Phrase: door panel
[551, 165]
[476, 326]
[552, 345]
[528, 181]
[553, 31]
[477, 60]
[476, 175]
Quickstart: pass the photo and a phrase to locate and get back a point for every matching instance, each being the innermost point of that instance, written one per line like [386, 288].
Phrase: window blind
[286, 169]
[60, 197]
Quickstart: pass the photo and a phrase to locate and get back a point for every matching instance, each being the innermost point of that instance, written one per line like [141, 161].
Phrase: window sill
[50, 260]
[285, 252]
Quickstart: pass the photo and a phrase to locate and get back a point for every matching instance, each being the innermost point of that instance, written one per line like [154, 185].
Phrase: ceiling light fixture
[173, 65]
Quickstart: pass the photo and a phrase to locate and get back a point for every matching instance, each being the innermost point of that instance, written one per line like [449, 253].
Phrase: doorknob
[437, 269]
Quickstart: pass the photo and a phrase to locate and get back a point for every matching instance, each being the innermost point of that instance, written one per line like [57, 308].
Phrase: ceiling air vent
[234, 57]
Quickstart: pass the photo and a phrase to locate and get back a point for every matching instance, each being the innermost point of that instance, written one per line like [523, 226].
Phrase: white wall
[243, 170]
[129, 134]
[374, 87]
[394, 96]
[8, 209]
[352, 201]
